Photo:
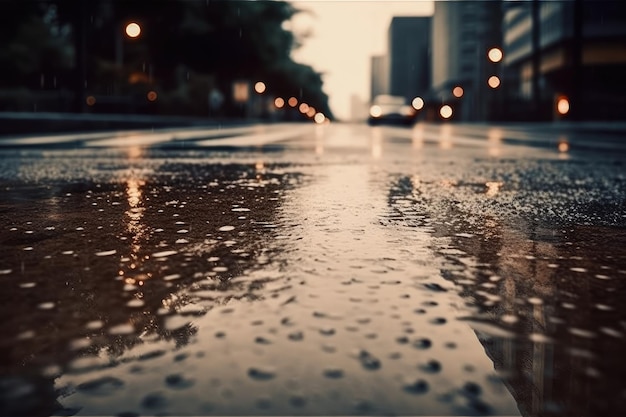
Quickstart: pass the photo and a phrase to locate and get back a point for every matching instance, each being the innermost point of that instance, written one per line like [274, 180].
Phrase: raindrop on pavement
[101, 387]
[369, 361]
[417, 386]
[261, 374]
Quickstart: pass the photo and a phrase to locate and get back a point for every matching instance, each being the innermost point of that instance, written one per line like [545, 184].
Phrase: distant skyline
[344, 35]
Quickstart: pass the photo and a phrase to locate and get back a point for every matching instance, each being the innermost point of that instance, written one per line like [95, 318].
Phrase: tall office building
[578, 51]
[462, 33]
[409, 56]
[379, 83]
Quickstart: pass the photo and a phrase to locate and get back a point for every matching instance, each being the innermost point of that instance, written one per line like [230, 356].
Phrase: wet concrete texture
[346, 270]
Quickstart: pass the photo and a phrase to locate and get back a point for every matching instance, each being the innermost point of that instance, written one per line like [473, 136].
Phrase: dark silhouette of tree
[186, 48]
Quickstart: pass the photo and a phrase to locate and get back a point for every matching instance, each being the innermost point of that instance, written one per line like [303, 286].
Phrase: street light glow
[418, 103]
[493, 81]
[445, 111]
[259, 87]
[495, 55]
[133, 30]
[562, 105]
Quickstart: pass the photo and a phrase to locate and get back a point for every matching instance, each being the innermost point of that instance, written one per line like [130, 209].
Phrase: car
[387, 109]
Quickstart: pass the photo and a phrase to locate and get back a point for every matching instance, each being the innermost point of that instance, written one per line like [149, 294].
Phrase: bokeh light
[445, 111]
[563, 146]
[562, 105]
[133, 30]
[304, 108]
[311, 112]
[418, 103]
[293, 102]
[376, 111]
[279, 102]
[458, 91]
[259, 87]
[493, 81]
[495, 55]
[152, 95]
[320, 118]
[91, 100]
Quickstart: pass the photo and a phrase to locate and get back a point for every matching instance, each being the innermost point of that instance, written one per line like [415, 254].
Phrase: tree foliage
[186, 49]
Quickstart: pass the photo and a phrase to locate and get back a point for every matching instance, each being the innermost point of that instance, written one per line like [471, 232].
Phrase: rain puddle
[360, 279]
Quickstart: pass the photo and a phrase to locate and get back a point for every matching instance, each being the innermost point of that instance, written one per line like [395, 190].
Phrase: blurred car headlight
[376, 111]
[407, 111]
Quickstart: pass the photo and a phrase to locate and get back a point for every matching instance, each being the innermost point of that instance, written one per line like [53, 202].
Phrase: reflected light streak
[445, 137]
[494, 138]
[135, 228]
[134, 152]
[376, 144]
[493, 188]
[417, 136]
[416, 182]
[319, 139]
[563, 145]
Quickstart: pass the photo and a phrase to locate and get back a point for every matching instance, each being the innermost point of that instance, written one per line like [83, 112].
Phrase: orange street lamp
[417, 103]
[495, 55]
[493, 81]
[562, 105]
[133, 30]
[445, 111]
[259, 87]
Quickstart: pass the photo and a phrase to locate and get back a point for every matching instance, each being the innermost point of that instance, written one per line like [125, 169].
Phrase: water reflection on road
[364, 271]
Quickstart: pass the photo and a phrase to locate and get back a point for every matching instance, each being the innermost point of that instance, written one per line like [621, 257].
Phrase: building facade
[575, 49]
[462, 33]
[379, 83]
[409, 56]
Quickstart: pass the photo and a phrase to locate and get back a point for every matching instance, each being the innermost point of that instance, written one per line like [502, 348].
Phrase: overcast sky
[345, 34]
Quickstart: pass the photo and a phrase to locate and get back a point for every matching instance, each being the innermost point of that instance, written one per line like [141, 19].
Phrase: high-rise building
[573, 49]
[379, 83]
[409, 56]
[462, 34]
[358, 109]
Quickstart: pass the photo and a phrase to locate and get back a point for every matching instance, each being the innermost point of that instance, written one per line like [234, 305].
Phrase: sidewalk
[21, 123]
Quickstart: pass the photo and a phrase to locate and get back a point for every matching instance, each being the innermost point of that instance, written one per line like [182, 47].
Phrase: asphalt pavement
[301, 269]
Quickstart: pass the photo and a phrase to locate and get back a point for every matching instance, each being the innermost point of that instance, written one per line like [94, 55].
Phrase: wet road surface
[313, 270]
